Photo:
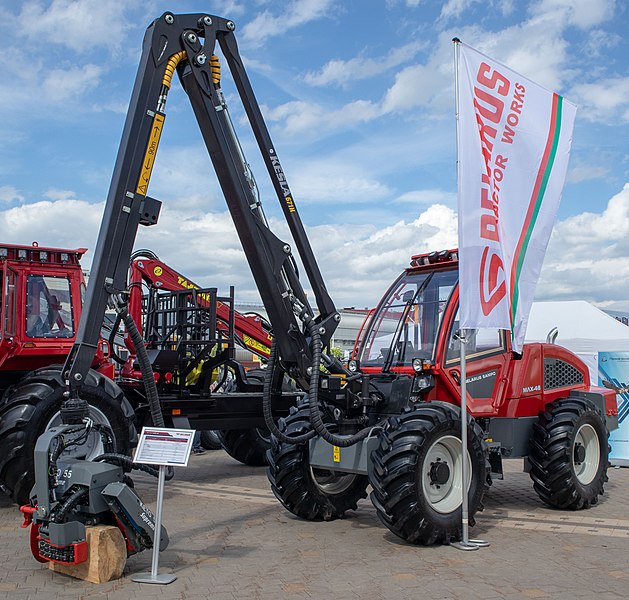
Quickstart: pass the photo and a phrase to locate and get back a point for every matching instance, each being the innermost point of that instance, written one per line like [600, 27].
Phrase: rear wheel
[33, 407]
[248, 446]
[417, 474]
[310, 493]
[569, 454]
[211, 440]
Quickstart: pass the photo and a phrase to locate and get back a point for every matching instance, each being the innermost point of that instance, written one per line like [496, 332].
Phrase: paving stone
[230, 539]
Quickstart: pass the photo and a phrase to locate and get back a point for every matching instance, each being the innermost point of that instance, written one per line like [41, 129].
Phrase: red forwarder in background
[40, 306]
[191, 335]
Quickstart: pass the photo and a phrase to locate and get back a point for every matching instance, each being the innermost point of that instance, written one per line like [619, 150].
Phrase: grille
[558, 373]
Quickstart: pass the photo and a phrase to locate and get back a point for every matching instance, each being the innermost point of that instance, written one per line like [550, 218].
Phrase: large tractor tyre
[210, 440]
[33, 408]
[310, 493]
[569, 454]
[417, 474]
[248, 446]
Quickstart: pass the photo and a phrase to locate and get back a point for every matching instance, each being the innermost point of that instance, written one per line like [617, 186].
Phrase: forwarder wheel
[310, 493]
[417, 474]
[211, 440]
[569, 454]
[33, 407]
[248, 446]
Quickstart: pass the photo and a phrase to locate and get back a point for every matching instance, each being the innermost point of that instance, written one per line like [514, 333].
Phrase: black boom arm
[187, 44]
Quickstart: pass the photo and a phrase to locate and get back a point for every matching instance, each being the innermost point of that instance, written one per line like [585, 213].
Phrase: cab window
[480, 343]
[48, 307]
[10, 290]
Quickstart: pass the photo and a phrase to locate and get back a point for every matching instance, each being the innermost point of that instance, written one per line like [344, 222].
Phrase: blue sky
[359, 99]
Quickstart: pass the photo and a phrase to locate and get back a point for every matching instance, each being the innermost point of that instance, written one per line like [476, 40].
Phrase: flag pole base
[470, 545]
[162, 579]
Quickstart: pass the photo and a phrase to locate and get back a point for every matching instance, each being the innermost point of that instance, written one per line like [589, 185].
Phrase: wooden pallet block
[106, 559]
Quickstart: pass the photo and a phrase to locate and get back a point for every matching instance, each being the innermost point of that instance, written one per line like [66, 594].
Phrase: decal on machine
[481, 385]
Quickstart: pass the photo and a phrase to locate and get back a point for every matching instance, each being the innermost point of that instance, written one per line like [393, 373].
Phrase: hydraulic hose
[266, 405]
[316, 418]
[313, 401]
[147, 372]
[69, 503]
[145, 368]
[112, 340]
[127, 464]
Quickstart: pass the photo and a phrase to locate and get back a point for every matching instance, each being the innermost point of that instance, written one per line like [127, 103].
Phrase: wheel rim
[332, 482]
[93, 446]
[586, 454]
[442, 474]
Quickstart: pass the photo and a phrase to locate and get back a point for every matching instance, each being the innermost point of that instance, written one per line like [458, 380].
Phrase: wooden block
[106, 556]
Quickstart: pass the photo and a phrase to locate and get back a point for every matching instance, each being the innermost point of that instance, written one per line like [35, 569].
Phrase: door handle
[456, 376]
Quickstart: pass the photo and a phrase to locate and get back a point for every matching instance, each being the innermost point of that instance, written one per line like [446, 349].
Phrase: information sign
[170, 447]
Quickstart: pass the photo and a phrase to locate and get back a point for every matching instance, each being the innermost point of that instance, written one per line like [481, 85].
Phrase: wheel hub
[439, 472]
[579, 453]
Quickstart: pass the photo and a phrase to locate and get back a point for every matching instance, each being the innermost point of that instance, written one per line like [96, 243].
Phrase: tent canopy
[582, 327]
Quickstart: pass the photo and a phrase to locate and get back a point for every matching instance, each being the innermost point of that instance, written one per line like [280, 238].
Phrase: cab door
[487, 361]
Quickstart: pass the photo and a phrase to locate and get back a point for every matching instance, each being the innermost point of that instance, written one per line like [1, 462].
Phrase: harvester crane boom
[251, 330]
[187, 44]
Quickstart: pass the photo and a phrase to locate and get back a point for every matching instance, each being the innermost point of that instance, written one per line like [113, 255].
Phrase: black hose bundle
[316, 418]
[313, 401]
[266, 405]
[68, 504]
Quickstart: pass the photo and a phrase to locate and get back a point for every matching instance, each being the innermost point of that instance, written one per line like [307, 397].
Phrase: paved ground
[230, 539]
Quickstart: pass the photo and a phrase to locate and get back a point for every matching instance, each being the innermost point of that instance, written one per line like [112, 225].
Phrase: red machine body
[500, 383]
[41, 291]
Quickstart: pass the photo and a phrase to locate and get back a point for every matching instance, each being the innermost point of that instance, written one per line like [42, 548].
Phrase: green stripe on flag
[546, 168]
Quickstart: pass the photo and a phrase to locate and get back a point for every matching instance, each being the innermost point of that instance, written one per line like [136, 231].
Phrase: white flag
[513, 145]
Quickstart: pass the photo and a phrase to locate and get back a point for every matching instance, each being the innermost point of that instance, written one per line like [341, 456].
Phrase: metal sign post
[465, 543]
[163, 447]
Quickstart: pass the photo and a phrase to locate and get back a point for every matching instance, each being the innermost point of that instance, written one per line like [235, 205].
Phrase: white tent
[582, 327]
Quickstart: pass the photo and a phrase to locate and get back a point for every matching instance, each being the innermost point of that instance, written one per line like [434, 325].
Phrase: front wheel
[33, 407]
[569, 454]
[310, 493]
[417, 474]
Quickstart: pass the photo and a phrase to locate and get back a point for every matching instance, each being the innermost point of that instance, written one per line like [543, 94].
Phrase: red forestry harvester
[190, 333]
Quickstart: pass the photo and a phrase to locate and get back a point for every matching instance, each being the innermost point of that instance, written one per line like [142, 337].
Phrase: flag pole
[465, 543]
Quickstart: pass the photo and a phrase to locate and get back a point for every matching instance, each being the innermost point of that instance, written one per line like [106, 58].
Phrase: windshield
[406, 324]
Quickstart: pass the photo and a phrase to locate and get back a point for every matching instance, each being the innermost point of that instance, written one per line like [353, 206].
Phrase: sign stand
[163, 447]
[153, 577]
[465, 543]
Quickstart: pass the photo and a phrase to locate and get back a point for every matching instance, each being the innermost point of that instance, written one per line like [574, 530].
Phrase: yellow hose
[216, 69]
[173, 61]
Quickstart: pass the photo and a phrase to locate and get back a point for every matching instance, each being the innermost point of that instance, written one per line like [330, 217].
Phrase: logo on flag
[514, 141]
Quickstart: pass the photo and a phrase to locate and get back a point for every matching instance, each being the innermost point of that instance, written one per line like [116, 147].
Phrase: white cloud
[69, 83]
[588, 256]
[298, 117]
[586, 173]
[8, 193]
[604, 100]
[68, 223]
[297, 13]
[580, 13]
[434, 196]
[454, 8]
[79, 25]
[341, 72]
